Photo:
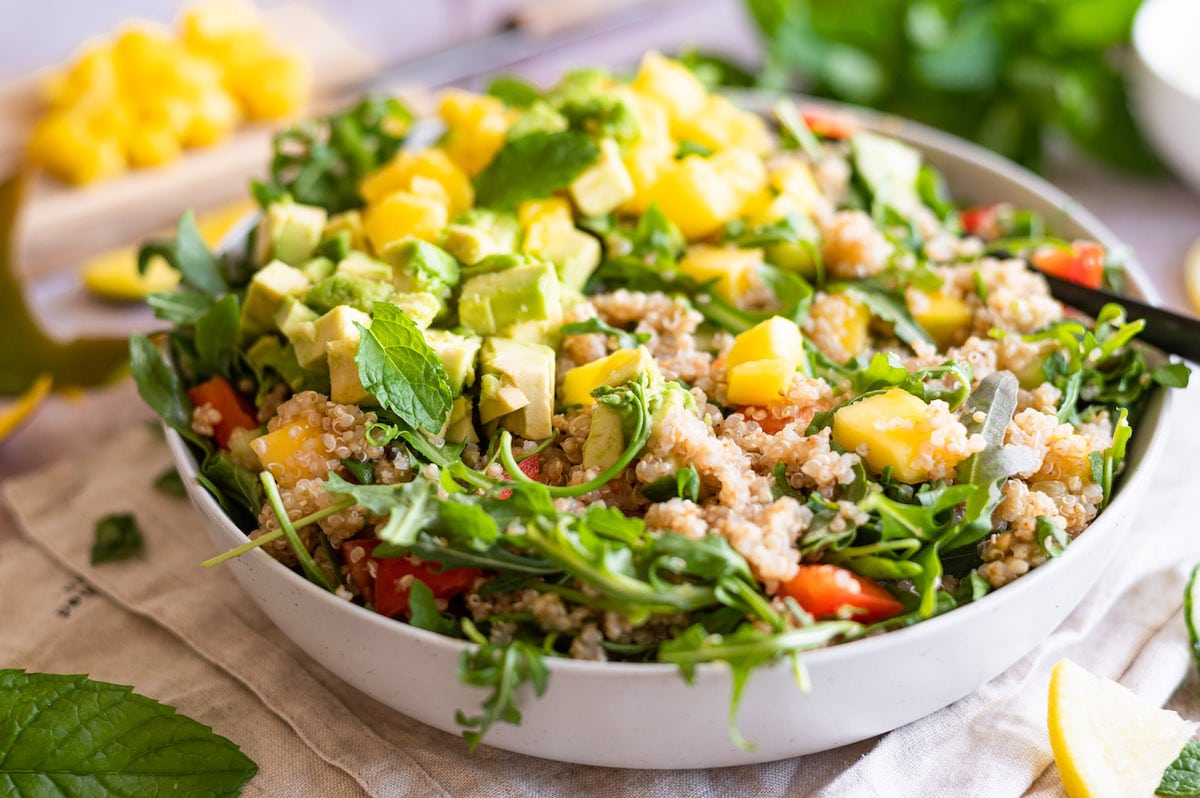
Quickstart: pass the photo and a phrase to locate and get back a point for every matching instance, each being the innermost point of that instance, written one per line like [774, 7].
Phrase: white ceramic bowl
[644, 715]
[1166, 89]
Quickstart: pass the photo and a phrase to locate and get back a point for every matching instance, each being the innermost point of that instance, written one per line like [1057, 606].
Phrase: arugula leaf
[217, 331]
[688, 147]
[409, 506]
[534, 166]
[625, 340]
[788, 230]
[397, 367]
[1182, 776]
[189, 255]
[117, 538]
[685, 484]
[321, 161]
[1051, 537]
[170, 483]
[359, 469]
[71, 736]
[890, 306]
[503, 668]
[1114, 456]
[424, 614]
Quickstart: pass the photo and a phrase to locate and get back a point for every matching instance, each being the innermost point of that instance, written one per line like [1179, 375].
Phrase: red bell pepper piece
[982, 221]
[1083, 263]
[381, 580]
[824, 590]
[530, 467]
[237, 412]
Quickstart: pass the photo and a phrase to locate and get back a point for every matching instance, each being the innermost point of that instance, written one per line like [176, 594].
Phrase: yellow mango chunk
[618, 368]
[654, 126]
[151, 145]
[644, 162]
[401, 215]
[672, 85]
[945, 317]
[432, 164]
[273, 85]
[277, 451]
[114, 275]
[760, 382]
[743, 172]
[554, 212]
[476, 127]
[733, 268]
[695, 196]
[65, 145]
[794, 179]
[214, 116]
[720, 125]
[93, 77]
[890, 426]
[776, 338]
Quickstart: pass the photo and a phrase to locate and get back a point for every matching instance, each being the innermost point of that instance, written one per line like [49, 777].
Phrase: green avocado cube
[517, 387]
[606, 438]
[539, 117]
[458, 354]
[574, 253]
[481, 232]
[291, 313]
[289, 232]
[460, 427]
[605, 184]
[341, 234]
[418, 266]
[267, 289]
[360, 264]
[420, 306]
[492, 302]
[269, 353]
[310, 339]
[347, 289]
[318, 268]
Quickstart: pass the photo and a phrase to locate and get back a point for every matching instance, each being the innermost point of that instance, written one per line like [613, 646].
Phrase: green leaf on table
[1183, 775]
[533, 166]
[118, 537]
[189, 255]
[397, 367]
[66, 735]
[169, 482]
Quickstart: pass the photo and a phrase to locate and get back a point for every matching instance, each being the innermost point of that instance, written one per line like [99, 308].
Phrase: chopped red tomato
[829, 125]
[982, 221]
[382, 581]
[237, 412]
[824, 590]
[772, 424]
[1083, 263]
[530, 467]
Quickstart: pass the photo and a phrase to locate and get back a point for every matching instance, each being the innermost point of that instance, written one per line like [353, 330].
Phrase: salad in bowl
[619, 371]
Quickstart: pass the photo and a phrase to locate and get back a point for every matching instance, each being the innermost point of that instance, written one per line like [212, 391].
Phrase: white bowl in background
[1166, 87]
[644, 715]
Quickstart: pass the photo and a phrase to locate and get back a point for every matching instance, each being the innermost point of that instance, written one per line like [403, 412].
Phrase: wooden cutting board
[63, 224]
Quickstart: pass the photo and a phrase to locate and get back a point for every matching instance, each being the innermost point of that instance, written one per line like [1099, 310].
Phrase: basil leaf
[216, 336]
[170, 483]
[533, 166]
[70, 736]
[1183, 775]
[117, 538]
[397, 367]
[189, 255]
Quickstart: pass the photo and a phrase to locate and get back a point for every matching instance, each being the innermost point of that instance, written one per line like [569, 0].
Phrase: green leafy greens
[118, 537]
[535, 165]
[398, 368]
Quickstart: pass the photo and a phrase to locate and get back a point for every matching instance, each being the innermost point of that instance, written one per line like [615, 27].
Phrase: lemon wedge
[1107, 741]
[12, 416]
[1191, 275]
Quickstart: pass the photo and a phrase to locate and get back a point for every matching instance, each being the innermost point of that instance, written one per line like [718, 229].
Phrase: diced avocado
[574, 253]
[417, 265]
[606, 439]
[492, 302]
[344, 384]
[291, 313]
[518, 387]
[537, 118]
[422, 307]
[360, 264]
[458, 354]
[460, 427]
[346, 289]
[342, 233]
[289, 232]
[605, 184]
[318, 268]
[269, 353]
[336, 325]
[267, 289]
[481, 232]
[889, 169]
[589, 105]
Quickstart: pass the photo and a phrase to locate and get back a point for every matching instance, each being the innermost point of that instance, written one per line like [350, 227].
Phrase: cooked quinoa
[713, 386]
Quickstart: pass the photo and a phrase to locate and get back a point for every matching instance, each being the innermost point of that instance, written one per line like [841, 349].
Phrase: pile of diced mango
[142, 97]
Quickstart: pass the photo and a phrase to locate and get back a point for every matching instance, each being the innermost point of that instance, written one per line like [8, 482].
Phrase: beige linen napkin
[189, 636]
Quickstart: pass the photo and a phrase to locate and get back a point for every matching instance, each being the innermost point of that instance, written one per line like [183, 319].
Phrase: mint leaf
[70, 736]
[534, 166]
[189, 255]
[397, 367]
[1183, 775]
[117, 538]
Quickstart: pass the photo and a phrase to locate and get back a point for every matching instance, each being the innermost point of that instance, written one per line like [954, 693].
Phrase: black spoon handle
[1170, 332]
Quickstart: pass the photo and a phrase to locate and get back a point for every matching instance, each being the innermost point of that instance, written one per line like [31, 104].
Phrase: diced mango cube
[151, 144]
[672, 84]
[654, 126]
[476, 127]
[279, 451]
[92, 77]
[695, 196]
[114, 275]
[214, 116]
[946, 317]
[733, 268]
[604, 185]
[274, 85]
[554, 212]
[644, 162]
[776, 338]
[742, 171]
[891, 428]
[721, 124]
[794, 179]
[616, 369]
[64, 144]
[401, 215]
[760, 382]
[433, 164]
